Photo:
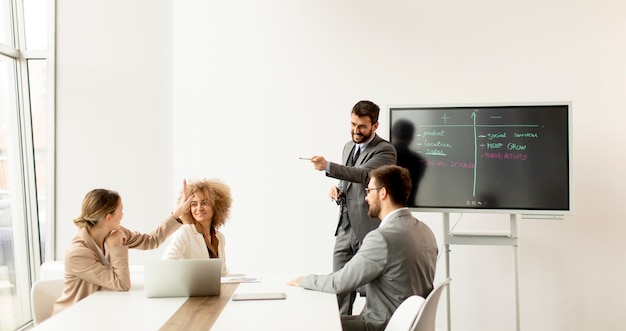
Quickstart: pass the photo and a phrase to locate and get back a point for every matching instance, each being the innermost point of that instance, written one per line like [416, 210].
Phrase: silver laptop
[182, 278]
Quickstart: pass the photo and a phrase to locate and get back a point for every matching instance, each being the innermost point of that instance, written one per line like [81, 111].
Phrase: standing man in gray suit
[366, 151]
[394, 262]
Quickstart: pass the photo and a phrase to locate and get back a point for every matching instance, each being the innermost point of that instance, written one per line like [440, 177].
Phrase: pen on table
[305, 158]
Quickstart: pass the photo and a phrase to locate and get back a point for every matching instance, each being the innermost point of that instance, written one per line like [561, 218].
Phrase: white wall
[114, 110]
[253, 85]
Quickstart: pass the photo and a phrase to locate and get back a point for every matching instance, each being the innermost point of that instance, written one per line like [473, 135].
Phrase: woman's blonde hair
[96, 205]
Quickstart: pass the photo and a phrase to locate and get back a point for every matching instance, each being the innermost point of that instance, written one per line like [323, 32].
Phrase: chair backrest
[52, 269]
[425, 320]
[43, 295]
[405, 315]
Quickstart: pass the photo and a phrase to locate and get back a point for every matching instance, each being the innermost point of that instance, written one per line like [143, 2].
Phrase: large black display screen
[512, 158]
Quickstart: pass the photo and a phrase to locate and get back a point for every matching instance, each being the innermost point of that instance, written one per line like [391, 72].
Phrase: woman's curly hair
[218, 195]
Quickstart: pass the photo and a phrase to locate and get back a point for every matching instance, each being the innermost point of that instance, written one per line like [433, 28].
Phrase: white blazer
[188, 243]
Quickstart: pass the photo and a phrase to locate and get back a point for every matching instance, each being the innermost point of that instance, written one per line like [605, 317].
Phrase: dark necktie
[355, 156]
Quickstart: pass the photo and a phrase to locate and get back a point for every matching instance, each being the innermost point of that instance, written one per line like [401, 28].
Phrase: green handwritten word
[513, 146]
[435, 151]
[496, 135]
[437, 144]
[526, 135]
[494, 145]
[435, 133]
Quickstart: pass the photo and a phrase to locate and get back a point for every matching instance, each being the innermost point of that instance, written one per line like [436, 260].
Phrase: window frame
[27, 250]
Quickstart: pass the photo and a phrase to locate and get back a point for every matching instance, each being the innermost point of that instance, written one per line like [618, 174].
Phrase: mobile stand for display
[509, 238]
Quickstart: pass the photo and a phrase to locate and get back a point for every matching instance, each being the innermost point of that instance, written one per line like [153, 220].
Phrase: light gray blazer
[395, 261]
[353, 181]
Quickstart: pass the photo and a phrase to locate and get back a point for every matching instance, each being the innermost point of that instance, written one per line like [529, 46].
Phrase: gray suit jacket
[353, 181]
[395, 261]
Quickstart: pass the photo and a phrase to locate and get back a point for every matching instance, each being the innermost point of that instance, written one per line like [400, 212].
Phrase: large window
[26, 152]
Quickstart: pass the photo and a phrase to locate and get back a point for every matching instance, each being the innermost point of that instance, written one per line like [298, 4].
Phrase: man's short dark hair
[366, 108]
[396, 180]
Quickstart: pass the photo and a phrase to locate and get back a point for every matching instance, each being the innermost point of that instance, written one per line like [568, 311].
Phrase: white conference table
[131, 310]
[301, 310]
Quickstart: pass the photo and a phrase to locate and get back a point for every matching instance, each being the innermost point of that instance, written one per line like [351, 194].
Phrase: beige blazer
[86, 272]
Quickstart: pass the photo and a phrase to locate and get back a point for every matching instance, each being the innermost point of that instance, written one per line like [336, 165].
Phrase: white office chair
[425, 320]
[43, 295]
[405, 315]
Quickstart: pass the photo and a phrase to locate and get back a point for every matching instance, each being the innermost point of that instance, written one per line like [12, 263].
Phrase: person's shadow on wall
[402, 133]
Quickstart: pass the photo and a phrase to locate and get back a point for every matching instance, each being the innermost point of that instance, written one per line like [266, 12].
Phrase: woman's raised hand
[183, 205]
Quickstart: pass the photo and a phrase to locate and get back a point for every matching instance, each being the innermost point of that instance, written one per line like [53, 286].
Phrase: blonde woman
[98, 256]
[199, 237]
